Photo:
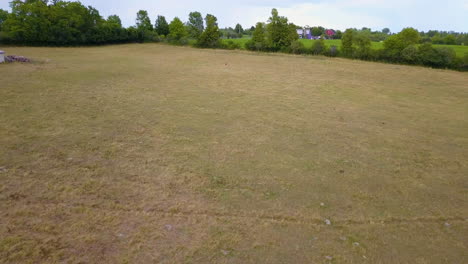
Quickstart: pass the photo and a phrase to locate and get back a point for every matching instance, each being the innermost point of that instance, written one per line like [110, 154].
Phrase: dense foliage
[276, 35]
[36, 22]
[177, 32]
[210, 37]
[65, 23]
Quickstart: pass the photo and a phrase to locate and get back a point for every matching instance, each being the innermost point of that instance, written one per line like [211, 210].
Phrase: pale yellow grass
[161, 154]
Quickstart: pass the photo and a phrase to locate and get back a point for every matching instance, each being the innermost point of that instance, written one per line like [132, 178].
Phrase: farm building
[304, 33]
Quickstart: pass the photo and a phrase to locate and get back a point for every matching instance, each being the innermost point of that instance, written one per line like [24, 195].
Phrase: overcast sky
[337, 14]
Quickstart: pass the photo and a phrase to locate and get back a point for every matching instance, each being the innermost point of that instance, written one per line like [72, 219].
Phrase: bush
[440, 57]
[230, 45]
[296, 47]
[332, 51]
[255, 45]
[319, 47]
[210, 37]
[410, 54]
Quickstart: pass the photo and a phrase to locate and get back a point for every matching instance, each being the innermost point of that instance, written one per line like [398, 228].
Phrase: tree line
[64, 23]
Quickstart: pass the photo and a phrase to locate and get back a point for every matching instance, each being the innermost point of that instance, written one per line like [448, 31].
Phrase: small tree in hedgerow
[195, 24]
[258, 41]
[210, 37]
[144, 27]
[177, 31]
[347, 42]
[161, 26]
[280, 34]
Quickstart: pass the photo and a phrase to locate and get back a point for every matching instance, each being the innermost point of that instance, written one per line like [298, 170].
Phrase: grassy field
[459, 50]
[161, 154]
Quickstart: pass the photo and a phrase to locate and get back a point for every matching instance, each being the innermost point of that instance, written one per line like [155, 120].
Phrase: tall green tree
[28, 22]
[195, 24]
[258, 41]
[177, 30]
[317, 31]
[144, 27]
[347, 42]
[395, 44]
[363, 44]
[239, 30]
[279, 32]
[210, 37]
[3, 16]
[115, 20]
[161, 26]
[143, 21]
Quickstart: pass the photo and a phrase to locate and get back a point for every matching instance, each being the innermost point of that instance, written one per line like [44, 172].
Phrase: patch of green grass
[459, 50]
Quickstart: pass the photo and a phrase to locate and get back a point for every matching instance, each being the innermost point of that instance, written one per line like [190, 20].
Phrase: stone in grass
[356, 244]
[328, 257]
[322, 204]
[225, 252]
[168, 227]
[447, 224]
[327, 222]
[3, 170]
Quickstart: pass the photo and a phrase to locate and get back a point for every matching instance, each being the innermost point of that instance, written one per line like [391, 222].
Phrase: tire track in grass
[277, 218]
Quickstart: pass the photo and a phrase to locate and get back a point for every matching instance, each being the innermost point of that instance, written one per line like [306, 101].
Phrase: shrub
[296, 47]
[256, 45]
[440, 57]
[319, 47]
[410, 54]
[230, 45]
[362, 46]
[347, 43]
[332, 51]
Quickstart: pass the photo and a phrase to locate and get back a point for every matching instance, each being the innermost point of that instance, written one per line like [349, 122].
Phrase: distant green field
[459, 50]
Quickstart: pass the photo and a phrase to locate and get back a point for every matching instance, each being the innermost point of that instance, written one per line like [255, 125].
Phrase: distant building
[330, 33]
[304, 33]
[300, 32]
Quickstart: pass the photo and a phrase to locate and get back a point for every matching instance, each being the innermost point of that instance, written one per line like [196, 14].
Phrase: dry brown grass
[160, 154]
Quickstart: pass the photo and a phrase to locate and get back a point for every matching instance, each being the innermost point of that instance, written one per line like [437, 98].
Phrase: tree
[450, 39]
[338, 34]
[195, 24]
[177, 30]
[410, 54]
[317, 31]
[161, 26]
[144, 27]
[386, 31]
[280, 34]
[347, 42]
[3, 17]
[210, 37]
[143, 21]
[409, 36]
[239, 30]
[395, 44]
[318, 47]
[258, 41]
[114, 19]
[362, 42]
